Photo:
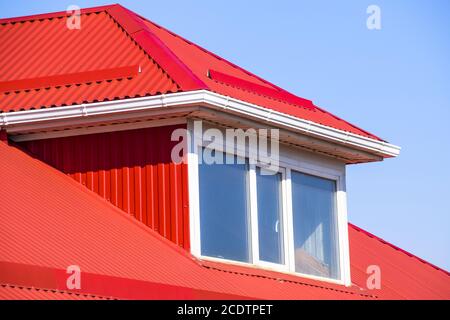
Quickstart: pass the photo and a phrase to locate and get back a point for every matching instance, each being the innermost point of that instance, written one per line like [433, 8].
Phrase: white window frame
[255, 223]
[287, 165]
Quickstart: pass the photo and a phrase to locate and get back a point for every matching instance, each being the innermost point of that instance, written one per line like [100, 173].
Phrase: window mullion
[288, 224]
[253, 198]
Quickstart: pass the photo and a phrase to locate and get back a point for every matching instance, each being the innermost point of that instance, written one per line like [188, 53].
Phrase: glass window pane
[269, 213]
[315, 229]
[223, 211]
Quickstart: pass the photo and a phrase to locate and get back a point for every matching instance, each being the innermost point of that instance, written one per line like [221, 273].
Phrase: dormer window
[288, 221]
[224, 211]
[315, 225]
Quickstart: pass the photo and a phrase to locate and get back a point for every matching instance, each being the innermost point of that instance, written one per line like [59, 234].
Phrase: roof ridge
[142, 35]
[371, 235]
[214, 55]
[155, 48]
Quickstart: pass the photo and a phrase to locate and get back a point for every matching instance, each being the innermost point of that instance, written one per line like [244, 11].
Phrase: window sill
[266, 269]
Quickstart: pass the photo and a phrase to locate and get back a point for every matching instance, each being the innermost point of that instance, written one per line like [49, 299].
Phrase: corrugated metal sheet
[44, 48]
[132, 170]
[403, 275]
[12, 292]
[51, 221]
[54, 222]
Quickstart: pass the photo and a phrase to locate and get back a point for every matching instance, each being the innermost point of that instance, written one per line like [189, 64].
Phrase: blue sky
[394, 82]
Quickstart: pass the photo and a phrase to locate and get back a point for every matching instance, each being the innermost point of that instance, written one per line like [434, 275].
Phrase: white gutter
[22, 121]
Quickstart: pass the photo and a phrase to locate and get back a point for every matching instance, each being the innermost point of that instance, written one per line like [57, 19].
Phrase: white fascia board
[306, 126]
[12, 121]
[99, 108]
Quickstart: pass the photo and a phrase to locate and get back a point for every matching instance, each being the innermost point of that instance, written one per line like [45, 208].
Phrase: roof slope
[118, 256]
[116, 55]
[403, 275]
[121, 258]
[12, 292]
[46, 64]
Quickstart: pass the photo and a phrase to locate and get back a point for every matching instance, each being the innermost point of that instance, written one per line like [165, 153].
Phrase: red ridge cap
[156, 49]
[259, 89]
[69, 79]
[214, 55]
[371, 235]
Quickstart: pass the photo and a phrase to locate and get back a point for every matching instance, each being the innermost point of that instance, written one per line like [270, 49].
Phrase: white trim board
[28, 121]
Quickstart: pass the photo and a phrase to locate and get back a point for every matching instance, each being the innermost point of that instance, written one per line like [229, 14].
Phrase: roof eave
[27, 122]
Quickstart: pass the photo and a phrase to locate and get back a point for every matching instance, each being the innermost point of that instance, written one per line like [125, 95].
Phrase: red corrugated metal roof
[39, 58]
[13, 292]
[54, 222]
[36, 49]
[403, 275]
[121, 258]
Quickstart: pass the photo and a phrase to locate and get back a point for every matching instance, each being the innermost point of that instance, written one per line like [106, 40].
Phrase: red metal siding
[131, 169]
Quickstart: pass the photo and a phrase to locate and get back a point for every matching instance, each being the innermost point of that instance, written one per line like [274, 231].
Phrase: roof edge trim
[17, 122]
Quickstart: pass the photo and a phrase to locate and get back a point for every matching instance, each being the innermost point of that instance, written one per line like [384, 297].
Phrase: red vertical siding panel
[102, 165]
[113, 170]
[56, 154]
[95, 164]
[107, 162]
[162, 214]
[185, 197]
[152, 196]
[131, 169]
[174, 203]
[125, 180]
[138, 190]
[82, 158]
[144, 195]
[88, 149]
[143, 182]
[119, 171]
